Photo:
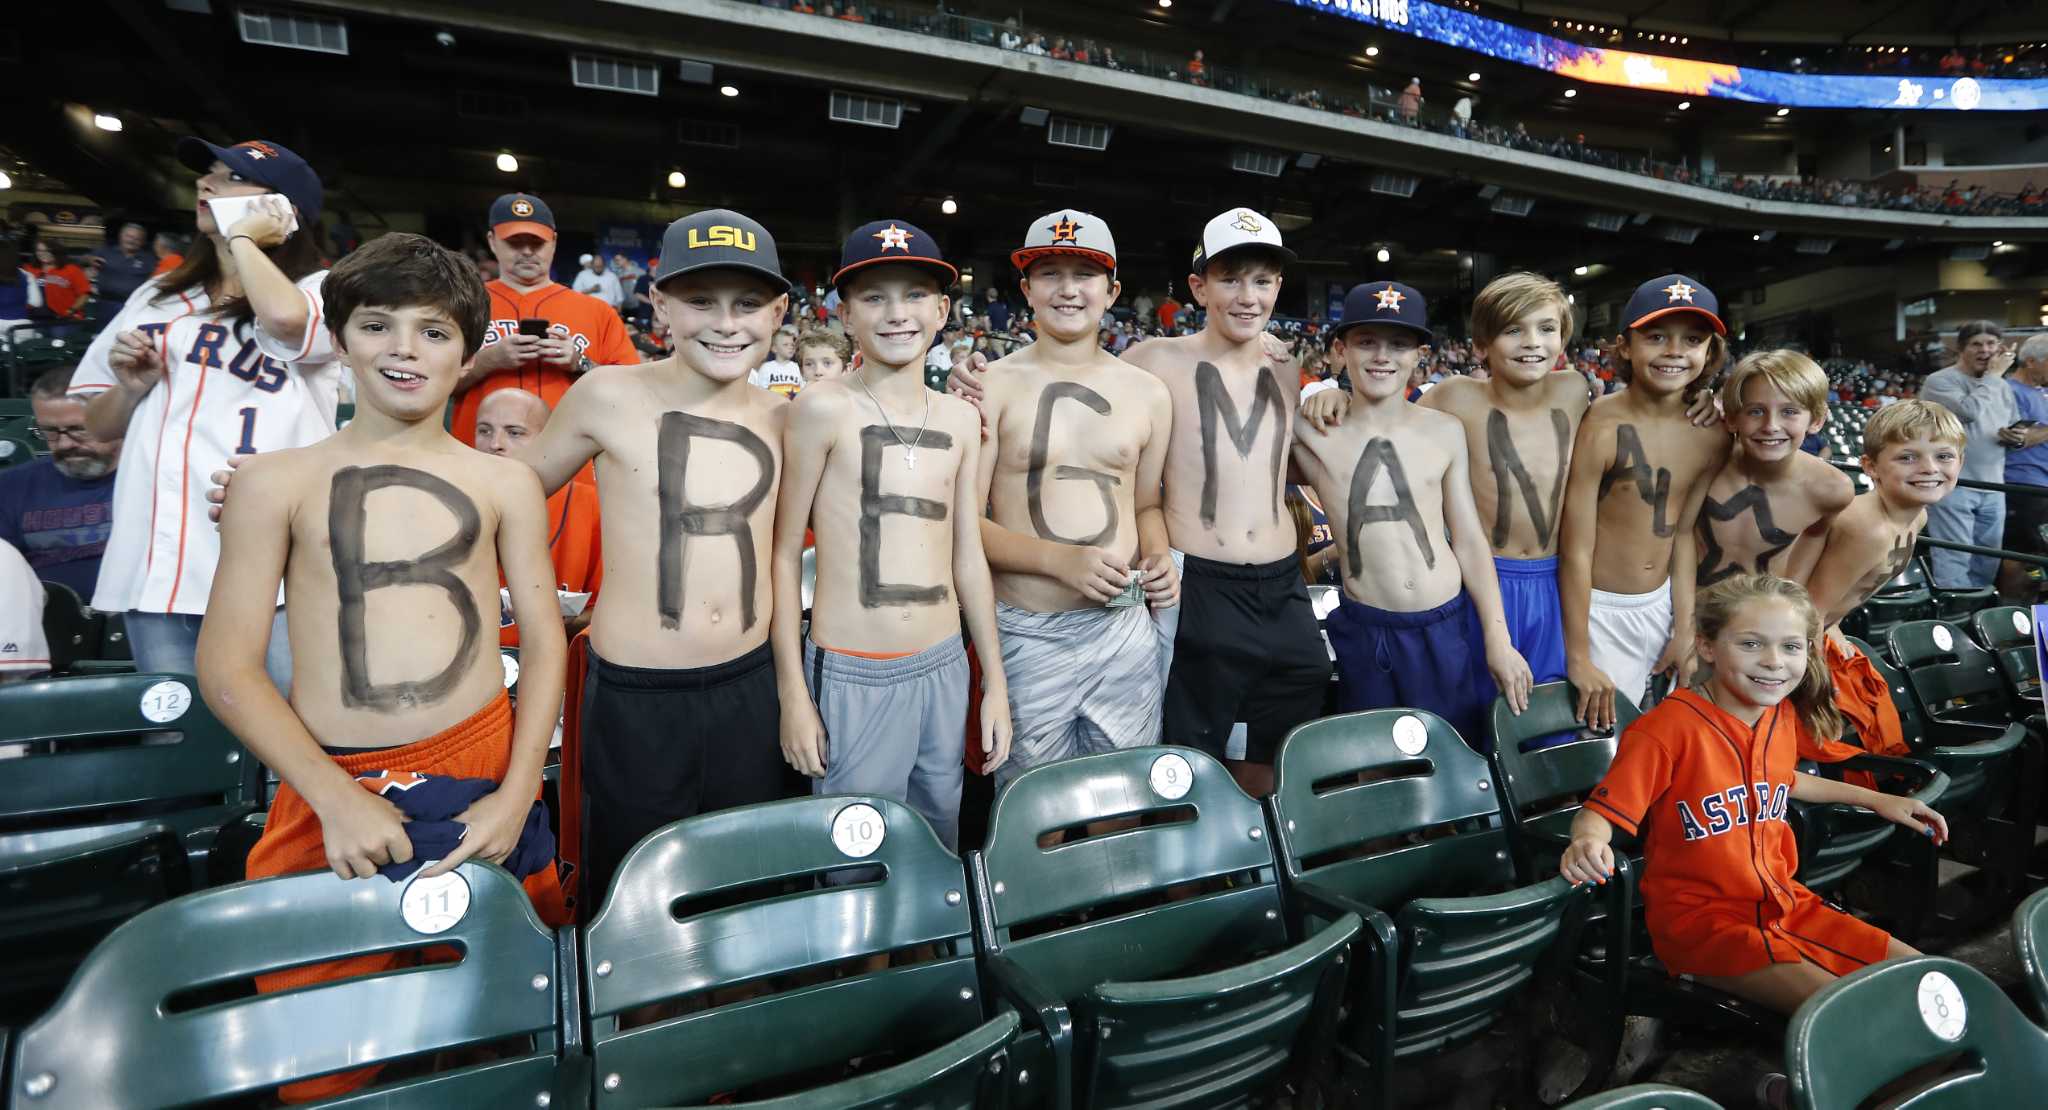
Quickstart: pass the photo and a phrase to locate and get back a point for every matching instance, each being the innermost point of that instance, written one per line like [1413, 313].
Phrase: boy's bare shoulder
[1157, 352]
[1569, 387]
[1435, 422]
[1458, 394]
[1829, 487]
[829, 399]
[954, 414]
[1862, 522]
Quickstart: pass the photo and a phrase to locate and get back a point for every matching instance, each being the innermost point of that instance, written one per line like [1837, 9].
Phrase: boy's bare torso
[1519, 458]
[392, 586]
[1381, 480]
[1776, 525]
[1651, 465]
[1864, 549]
[1067, 447]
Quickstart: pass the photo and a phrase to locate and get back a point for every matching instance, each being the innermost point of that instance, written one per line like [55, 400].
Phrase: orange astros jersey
[592, 325]
[1707, 794]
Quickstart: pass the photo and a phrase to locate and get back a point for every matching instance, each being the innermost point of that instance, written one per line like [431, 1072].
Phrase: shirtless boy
[882, 469]
[1076, 446]
[388, 538]
[1420, 623]
[1639, 472]
[1913, 453]
[1519, 423]
[1768, 510]
[679, 713]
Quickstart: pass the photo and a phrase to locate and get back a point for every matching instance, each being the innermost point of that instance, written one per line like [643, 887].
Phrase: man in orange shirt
[506, 421]
[579, 332]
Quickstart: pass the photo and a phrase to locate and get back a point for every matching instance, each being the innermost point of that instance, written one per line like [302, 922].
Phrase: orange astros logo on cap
[1066, 230]
[258, 150]
[522, 208]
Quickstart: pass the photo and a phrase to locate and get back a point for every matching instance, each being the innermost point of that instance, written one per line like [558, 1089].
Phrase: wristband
[250, 238]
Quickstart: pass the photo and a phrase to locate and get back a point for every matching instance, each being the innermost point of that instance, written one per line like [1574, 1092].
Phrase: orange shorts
[1865, 698]
[480, 747]
[1722, 939]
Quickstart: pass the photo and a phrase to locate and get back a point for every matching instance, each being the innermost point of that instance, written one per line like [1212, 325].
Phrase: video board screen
[1685, 76]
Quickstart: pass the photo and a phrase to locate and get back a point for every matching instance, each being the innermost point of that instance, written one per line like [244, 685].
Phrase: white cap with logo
[1067, 231]
[1235, 230]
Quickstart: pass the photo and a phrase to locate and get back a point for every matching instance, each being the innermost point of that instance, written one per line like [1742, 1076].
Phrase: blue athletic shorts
[1434, 659]
[1528, 597]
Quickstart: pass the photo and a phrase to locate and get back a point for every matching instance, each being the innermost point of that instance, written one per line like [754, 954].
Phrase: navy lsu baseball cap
[522, 214]
[265, 163]
[884, 241]
[1384, 302]
[720, 238]
[1671, 293]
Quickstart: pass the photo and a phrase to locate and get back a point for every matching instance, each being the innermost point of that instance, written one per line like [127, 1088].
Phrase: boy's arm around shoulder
[496, 820]
[973, 585]
[595, 400]
[1592, 454]
[807, 441]
[361, 831]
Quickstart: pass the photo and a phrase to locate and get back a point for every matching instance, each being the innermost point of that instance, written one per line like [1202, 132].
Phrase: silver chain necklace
[909, 446]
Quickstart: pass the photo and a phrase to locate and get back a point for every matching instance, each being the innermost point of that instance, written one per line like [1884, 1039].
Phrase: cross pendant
[910, 459]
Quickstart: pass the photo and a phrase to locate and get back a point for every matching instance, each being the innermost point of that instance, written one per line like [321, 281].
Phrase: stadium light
[1581, 270]
[729, 90]
[1569, 93]
[508, 164]
[6, 182]
[1372, 51]
[1166, 3]
[1473, 76]
[949, 206]
[1384, 255]
[105, 122]
[1685, 105]
[676, 180]
[1784, 111]
[1998, 242]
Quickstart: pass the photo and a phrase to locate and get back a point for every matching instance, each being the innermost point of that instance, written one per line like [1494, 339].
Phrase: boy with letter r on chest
[388, 538]
[1639, 472]
[874, 700]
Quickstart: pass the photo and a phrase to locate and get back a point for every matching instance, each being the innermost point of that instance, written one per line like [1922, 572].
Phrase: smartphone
[228, 211]
[535, 327]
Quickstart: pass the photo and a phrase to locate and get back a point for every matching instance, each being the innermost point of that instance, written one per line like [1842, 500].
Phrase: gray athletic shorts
[1081, 681]
[895, 727]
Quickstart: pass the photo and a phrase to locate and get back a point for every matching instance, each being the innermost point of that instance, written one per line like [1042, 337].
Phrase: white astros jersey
[226, 390]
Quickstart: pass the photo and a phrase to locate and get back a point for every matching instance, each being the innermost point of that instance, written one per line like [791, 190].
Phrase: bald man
[505, 420]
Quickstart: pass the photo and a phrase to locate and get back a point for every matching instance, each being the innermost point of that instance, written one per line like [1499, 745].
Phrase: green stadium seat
[17, 445]
[1929, 1014]
[163, 1012]
[2030, 939]
[732, 925]
[113, 803]
[13, 408]
[2007, 632]
[72, 630]
[1191, 979]
[1837, 839]
[1874, 619]
[1973, 732]
[1915, 576]
[1452, 936]
[1645, 1096]
[1958, 606]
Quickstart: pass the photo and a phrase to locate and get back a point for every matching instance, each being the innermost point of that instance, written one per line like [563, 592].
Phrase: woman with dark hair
[64, 284]
[226, 354]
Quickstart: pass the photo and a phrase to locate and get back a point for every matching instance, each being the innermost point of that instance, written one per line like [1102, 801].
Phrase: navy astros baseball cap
[1385, 302]
[263, 162]
[882, 241]
[1673, 293]
[720, 238]
[522, 214]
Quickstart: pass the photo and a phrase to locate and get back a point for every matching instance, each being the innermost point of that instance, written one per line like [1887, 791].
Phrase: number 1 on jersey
[248, 444]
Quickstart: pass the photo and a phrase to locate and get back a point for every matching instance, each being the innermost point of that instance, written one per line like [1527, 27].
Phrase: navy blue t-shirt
[58, 524]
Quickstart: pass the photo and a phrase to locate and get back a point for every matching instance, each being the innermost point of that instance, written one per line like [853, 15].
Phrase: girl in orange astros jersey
[1704, 779]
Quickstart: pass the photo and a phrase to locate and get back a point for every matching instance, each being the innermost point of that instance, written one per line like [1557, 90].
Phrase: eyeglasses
[52, 435]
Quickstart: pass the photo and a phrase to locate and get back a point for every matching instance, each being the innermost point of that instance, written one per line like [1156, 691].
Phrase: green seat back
[1207, 995]
[114, 645]
[12, 408]
[2030, 938]
[1546, 753]
[1954, 679]
[1922, 1010]
[2007, 632]
[1913, 577]
[734, 899]
[128, 1031]
[1349, 792]
[72, 630]
[1645, 1096]
[1912, 723]
[1959, 605]
[16, 448]
[1884, 611]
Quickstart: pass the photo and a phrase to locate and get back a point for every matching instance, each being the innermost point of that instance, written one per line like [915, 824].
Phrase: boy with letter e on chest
[874, 700]
[388, 538]
[1639, 472]
[1077, 442]
[1913, 453]
[1420, 623]
[678, 713]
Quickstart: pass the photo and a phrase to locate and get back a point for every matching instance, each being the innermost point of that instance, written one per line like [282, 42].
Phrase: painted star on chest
[1714, 563]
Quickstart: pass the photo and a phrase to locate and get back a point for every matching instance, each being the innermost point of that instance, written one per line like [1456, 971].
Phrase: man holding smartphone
[542, 334]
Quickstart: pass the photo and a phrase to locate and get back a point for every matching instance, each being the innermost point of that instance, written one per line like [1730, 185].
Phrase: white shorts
[1627, 632]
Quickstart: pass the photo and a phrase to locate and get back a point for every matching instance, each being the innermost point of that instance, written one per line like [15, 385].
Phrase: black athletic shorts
[661, 745]
[1247, 650]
